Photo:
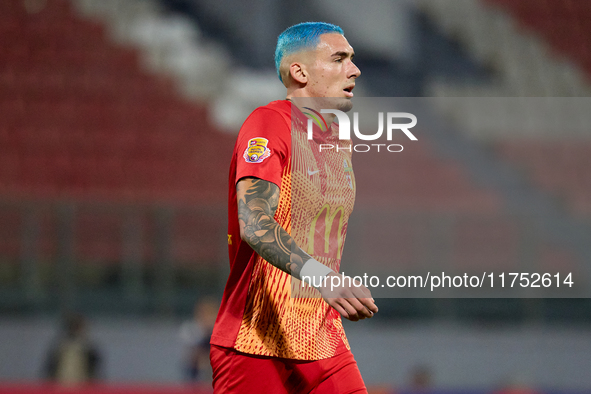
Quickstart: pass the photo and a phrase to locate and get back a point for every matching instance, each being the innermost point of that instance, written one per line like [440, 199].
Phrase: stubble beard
[338, 103]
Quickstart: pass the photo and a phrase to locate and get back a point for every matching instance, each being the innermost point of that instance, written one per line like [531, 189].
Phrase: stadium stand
[564, 24]
[522, 61]
[544, 141]
[87, 122]
[85, 127]
[442, 186]
[538, 49]
[557, 166]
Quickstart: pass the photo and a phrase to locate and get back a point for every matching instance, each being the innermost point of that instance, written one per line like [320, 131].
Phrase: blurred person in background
[73, 360]
[421, 379]
[195, 335]
[266, 340]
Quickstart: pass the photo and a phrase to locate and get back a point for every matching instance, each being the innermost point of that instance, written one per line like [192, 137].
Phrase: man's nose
[354, 71]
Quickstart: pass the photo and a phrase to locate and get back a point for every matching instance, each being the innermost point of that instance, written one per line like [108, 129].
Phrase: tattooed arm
[257, 202]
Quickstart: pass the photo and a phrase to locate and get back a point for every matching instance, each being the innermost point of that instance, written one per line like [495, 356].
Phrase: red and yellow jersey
[264, 310]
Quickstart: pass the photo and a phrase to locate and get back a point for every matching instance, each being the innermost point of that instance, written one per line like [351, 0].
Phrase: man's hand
[352, 302]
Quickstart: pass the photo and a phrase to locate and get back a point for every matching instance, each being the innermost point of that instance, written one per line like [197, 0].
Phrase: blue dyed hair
[300, 37]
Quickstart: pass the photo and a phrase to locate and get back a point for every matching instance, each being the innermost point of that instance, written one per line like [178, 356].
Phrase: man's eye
[339, 60]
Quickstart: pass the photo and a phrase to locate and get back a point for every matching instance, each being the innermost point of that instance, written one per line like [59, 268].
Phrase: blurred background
[117, 122]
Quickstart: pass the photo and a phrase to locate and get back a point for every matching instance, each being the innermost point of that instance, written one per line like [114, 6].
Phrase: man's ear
[298, 72]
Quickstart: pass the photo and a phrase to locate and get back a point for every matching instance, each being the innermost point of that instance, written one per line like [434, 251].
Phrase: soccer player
[288, 211]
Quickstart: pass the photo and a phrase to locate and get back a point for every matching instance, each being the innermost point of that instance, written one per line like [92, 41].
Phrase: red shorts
[236, 372]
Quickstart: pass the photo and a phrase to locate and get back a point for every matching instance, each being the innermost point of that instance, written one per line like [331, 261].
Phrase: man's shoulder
[275, 116]
[270, 124]
[283, 106]
[280, 107]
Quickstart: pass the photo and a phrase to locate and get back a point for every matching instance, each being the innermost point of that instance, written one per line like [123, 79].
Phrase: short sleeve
[263, 146]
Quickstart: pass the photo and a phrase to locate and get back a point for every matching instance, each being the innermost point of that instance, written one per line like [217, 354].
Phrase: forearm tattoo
[257, 202]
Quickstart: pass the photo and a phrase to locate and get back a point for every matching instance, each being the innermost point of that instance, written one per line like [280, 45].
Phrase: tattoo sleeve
[257, 202]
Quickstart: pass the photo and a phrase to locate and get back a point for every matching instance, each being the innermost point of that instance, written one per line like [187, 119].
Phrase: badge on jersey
[257, 150]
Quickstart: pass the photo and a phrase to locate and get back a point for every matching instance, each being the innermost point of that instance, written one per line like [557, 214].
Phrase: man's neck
[300, 101]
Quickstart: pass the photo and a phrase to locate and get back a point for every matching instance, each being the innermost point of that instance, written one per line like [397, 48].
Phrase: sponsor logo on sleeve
[257, 150]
